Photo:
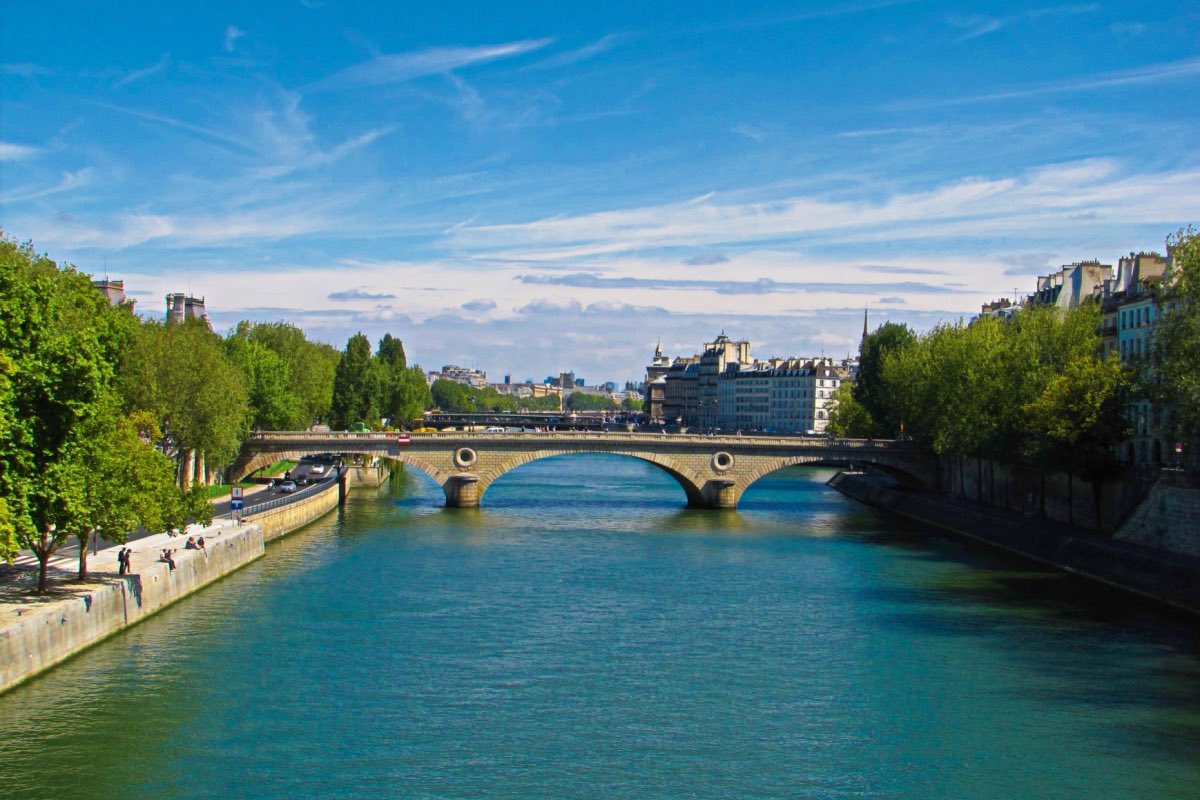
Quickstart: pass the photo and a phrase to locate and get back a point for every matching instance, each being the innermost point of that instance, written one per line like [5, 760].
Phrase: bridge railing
[320, 439]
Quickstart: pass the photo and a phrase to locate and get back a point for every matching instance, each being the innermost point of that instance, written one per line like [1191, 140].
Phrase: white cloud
[402, 67]
[232, 34]
[139, 74]
[10, 151]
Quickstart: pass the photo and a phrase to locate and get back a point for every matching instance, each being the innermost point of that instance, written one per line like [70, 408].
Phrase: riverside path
[714, 471]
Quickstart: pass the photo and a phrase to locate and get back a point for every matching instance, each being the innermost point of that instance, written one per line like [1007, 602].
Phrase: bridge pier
[719, 493]
[462, 490]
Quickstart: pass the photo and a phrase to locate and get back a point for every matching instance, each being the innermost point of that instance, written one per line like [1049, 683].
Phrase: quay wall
[44, 635]
[276, 522]
[1164, 577]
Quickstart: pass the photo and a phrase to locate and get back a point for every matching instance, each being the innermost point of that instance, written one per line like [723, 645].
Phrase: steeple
[658, 348]
[864, 336]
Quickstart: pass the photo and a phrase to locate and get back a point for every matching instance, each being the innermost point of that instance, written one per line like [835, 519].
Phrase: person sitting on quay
[166, 556]
[191, 543]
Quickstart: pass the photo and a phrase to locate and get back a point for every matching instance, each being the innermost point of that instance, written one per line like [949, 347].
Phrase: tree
[1076, 420]
[180, 374]
[404, 393]
[273, 405]
[310, 368]
[870, 390]
[111, 481]
[1170, 376]
[59, 343]
[356, 386]
[848, 417]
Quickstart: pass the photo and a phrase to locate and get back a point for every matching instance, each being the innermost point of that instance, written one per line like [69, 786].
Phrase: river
[583, 636]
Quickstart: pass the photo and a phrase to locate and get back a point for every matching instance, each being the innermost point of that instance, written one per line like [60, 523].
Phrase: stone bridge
[714, 471]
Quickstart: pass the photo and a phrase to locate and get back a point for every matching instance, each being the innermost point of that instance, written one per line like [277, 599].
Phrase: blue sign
[235, 505]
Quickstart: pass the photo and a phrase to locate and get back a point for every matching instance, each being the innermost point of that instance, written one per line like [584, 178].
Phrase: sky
[536, 187]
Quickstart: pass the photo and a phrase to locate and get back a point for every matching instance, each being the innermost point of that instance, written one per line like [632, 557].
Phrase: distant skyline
[537, 187]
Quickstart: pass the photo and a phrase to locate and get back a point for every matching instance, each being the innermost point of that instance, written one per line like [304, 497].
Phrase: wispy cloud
[386, 69]
[146, 72]
[232, 34]
[68, 182]
[1154, 73]
[975, 26]
[749, 132]
[584, 280]
[199, 130]
[25, 69]
[598, 47]
[360, 294]
[479, 305]
[706, 260]
[10, 151]
[1097, 191]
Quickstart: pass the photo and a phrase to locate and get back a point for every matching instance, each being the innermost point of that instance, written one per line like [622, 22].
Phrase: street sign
[236, 505]
[236, 493]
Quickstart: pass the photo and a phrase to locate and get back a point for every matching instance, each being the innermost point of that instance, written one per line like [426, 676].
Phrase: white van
[494, 429]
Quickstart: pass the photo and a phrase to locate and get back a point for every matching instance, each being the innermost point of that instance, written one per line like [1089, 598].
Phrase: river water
[591, 639]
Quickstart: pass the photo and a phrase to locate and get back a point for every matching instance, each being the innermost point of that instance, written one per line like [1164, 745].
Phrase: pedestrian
[121, 565]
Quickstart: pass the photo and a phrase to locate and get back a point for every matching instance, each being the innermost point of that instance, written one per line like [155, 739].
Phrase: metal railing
[314, 438]
[307, 491]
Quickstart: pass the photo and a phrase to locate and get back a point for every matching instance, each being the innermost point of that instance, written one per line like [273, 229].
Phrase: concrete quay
[39, 631]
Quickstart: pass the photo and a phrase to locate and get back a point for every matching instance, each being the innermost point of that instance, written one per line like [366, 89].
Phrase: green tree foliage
[584, 401]
[310, 368]
[404, 393]
[356, 386]
[273, 405]
[849, 418]
[181, 376]
[1029, 389]
[1170, 376]
[66, 451]
[868, 389]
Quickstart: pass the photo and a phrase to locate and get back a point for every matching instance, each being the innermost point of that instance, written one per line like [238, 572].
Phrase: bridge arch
[690, 484]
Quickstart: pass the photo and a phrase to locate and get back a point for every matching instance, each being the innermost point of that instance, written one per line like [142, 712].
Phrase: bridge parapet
[713, 471]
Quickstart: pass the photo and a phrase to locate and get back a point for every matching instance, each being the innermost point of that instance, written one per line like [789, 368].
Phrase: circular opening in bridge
[722, 461]
[464, 457]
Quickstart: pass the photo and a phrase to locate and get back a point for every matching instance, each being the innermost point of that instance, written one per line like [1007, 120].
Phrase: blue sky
[534, 187]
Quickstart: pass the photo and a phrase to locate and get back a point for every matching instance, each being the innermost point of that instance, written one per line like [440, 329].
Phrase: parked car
[287, 487]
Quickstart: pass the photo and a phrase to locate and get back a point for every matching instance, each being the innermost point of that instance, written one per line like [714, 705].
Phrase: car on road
[287, 487]
[319, 469]
[494, 429]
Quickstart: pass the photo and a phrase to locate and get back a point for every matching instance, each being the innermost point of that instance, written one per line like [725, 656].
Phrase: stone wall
[279, 521]
[1163, 577]
[1169, 518]
[46, 634]
[1052, 495]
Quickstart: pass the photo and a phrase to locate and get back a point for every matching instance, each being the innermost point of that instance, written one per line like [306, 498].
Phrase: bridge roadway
[714, 471]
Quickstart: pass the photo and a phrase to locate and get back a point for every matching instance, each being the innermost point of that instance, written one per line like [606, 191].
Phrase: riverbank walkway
[18, 580]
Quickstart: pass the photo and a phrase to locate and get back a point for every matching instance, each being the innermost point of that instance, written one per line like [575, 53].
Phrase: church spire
[864, 336]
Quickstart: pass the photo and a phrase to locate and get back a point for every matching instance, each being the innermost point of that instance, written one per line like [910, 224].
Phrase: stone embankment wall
[46, 634]
[1168, 519]
[1160, 576]
[276, 522]
[1055, 496]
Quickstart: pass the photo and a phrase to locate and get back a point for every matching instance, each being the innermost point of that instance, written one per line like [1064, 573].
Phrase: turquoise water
[592, 639]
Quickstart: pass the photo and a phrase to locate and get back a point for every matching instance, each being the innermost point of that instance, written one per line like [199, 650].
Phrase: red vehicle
[403, 439]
